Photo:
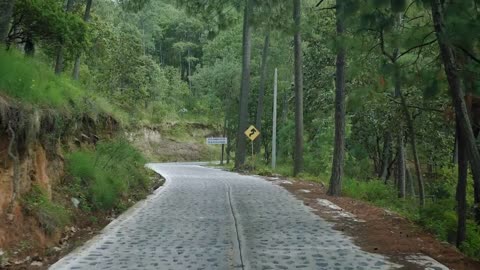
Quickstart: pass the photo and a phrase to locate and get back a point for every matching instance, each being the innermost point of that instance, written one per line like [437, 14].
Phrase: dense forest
[378, 99]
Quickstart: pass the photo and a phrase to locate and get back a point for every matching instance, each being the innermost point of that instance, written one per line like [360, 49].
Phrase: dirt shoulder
[377, 230]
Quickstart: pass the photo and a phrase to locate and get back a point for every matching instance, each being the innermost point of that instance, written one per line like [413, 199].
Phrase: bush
[51, 216]
[373, 191]
[101, 178]
[440, 218]
[32, 81]
[471, 246]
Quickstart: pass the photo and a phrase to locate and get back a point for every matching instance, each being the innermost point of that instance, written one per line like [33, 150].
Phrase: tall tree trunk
[470, 88]
[401, 159]
[298, 156]
[401, 167]
[461, 195]
[6, 10]
[450, 66]
[411, 185]
[240, 152]
[60, 59]
[86, 18]
[386, 155]
[335, 188]
[413, 143]
[261, 93]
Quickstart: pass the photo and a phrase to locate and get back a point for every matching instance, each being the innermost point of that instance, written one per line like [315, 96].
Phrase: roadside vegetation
[111, 176]
[378, 99]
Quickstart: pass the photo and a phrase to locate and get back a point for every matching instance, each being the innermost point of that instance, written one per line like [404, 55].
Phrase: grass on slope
[31, 81]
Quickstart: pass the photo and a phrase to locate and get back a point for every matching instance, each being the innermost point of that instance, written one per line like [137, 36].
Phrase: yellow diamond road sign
[252, 133]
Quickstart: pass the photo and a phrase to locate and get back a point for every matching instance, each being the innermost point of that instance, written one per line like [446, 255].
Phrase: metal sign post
[218, 141]
[274, 128]
[252, 133]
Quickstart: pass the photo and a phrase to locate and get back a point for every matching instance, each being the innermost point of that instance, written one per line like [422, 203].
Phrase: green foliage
[471, 247]
[50, 215]
[30, 80]
[46, 20]
[372, 191]
[101, 178]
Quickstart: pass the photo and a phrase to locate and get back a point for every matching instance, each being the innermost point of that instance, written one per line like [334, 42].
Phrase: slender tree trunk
[60, 59]
[461, 194]
[284, 107]
[240, 152]
[261, 93]
[335, 188]
[401, 162]
[86, 18]
[189, 70]
[470, 88]
[411, 185]
[453, 78]
[6, 10]
[401, 168]
[413, 143]
[298, 156]
[386, 155]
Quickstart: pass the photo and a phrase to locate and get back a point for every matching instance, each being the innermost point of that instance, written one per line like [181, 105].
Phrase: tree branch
[416, 47]
[469, 54]
[319, 3]
[382, 47]
[327, 8]
[417, 107]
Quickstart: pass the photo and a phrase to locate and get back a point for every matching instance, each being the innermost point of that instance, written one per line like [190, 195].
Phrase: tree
[261, 91]
[297, 40]
[59, 60]
[335, 187]
[458, 97]
[6, 9]
[240, 151]
[86, 18]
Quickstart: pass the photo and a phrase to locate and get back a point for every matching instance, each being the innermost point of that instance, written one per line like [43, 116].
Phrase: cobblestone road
[210, 219]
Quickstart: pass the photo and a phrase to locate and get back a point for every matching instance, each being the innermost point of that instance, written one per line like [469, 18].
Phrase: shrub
[440, 218]
[51, 216]
[101, 178]
[471, 246]
[372, 191]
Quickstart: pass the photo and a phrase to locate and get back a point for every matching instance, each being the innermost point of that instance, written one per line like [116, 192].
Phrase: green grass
[103, 177]
[31, 81]
[50, 215]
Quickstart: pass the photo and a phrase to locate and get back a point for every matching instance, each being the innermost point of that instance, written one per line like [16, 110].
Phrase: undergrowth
[103, 178]
[438, 216]
[50, 215]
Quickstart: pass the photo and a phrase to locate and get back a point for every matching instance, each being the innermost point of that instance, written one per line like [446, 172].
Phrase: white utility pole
[274, 133]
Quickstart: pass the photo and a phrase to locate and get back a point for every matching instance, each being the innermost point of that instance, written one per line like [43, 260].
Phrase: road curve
[211, 219]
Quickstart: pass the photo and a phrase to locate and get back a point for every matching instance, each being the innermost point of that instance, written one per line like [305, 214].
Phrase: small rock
[10, 217]
[36, 264]
[304, 191]
[73, 229]
[57, 249]
[75, 202]
[22, 261]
